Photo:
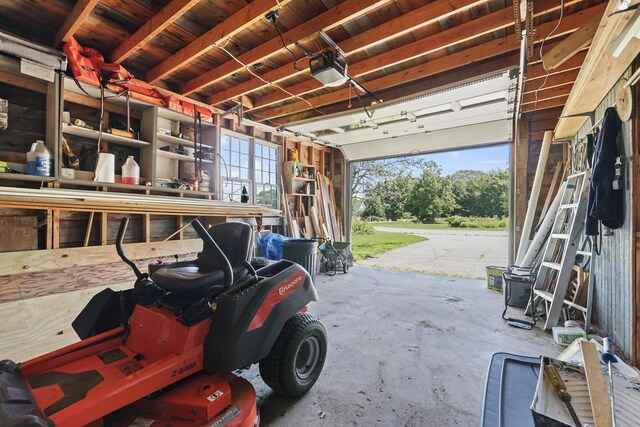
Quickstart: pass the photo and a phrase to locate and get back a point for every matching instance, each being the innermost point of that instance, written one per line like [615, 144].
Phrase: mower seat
[193, 279]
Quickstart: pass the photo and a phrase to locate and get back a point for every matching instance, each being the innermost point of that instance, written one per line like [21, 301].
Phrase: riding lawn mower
[163, 353]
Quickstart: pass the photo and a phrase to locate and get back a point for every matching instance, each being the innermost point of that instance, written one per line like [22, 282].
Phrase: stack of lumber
[328, 217]
[322, 219]
[94, 201]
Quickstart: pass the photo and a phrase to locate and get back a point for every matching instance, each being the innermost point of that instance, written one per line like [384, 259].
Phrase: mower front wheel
[297, 357]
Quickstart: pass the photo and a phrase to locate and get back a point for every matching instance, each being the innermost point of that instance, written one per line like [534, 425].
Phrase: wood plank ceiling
[221, 51]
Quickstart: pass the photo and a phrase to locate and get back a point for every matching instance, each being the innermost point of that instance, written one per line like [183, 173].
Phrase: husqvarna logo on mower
[288, 286]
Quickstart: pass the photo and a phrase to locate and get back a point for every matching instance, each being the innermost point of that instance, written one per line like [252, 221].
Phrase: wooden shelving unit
[70, 129]
[300, 193]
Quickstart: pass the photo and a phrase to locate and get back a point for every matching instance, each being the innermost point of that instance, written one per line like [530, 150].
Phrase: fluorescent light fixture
[433, 110]
[337, 129]
[482, 99]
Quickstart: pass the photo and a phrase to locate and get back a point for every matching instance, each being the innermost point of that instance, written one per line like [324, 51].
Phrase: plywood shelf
[26, 177]
[165, 113]
[94, 134]
[179, 157]
[177, 141]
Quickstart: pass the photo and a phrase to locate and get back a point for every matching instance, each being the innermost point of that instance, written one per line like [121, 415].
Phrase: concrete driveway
[463, 253]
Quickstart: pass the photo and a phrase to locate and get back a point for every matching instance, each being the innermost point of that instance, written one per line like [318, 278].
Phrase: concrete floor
[454, 252]
[405, 349]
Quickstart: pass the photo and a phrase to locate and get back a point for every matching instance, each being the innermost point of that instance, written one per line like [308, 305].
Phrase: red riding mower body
[186, 326]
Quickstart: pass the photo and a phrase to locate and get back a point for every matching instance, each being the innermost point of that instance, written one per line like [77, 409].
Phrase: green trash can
[303, 252]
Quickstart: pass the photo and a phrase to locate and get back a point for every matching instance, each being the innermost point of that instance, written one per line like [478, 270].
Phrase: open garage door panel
[471, 114]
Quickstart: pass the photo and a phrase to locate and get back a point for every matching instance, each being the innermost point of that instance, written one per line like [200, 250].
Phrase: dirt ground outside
[462, 253]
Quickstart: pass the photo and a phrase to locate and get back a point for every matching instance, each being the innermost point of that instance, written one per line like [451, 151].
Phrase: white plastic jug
[130, 172]
[39, 160]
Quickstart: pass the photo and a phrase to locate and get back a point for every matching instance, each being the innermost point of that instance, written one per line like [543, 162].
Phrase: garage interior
[253, 111]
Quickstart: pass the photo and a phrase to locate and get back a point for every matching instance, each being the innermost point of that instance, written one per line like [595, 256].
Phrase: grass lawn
[440, 224]
[380, 242]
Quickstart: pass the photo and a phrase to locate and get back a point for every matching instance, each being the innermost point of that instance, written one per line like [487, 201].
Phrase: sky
[484, 159]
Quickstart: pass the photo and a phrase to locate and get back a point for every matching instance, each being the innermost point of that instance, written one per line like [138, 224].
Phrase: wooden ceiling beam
[74, 20]
[487, 50]
[536, 71]
[568, 47]
[546, 104]
[556, 79]
[332, 18]
[465, 32]
[420, 17]
[548, 93]
[231, 26]
[410, 21]
[151, 28]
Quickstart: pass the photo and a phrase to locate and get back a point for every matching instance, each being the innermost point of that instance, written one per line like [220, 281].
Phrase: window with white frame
[266, 174]
[235, 169]
[258, 176]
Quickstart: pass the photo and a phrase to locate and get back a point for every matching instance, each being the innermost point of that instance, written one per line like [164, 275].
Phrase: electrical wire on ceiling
[246, 67]
[273, 18]
[546, 77]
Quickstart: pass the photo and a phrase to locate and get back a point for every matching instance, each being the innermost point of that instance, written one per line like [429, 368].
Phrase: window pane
[244, 160]
[273, 166]
[244, 173]
[258, 150]
[244, 146]
[272, 179]
[235, 159]
[235, 144]
[225, 142]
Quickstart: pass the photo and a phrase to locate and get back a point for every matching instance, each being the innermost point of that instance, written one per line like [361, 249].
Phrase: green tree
[393, 194]
[367, 174]
[465, 190]
[431, 196]
[373, 207]
[493, 197]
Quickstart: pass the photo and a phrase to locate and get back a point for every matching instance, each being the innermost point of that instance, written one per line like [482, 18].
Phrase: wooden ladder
[560, 251]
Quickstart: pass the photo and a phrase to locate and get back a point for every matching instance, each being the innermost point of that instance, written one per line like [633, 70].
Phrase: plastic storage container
[130, 172]
[494, 277]
[303, 252]
[39, 160]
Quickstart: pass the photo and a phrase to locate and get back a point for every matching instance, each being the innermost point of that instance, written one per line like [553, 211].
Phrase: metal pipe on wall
[535, 193]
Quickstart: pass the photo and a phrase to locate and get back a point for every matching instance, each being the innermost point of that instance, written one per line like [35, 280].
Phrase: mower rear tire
[297, 357]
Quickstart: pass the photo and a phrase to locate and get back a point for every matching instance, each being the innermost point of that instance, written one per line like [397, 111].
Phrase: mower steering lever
[224, 261]
[119, 239]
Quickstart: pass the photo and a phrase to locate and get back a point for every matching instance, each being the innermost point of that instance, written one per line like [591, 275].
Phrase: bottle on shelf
[39, 159]
[130, 172]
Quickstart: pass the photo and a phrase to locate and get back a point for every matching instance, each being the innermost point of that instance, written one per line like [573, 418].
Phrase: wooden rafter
[446, 63]
[545, 104]
[420, 17]
[572, 44]
[547, 93]
[74, 20]
[151, 28]
[536, 71]
[556, 79]
[231, 26]
[468, 31]
[325, 21]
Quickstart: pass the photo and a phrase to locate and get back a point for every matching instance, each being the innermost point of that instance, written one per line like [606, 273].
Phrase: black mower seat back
[195, 278]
